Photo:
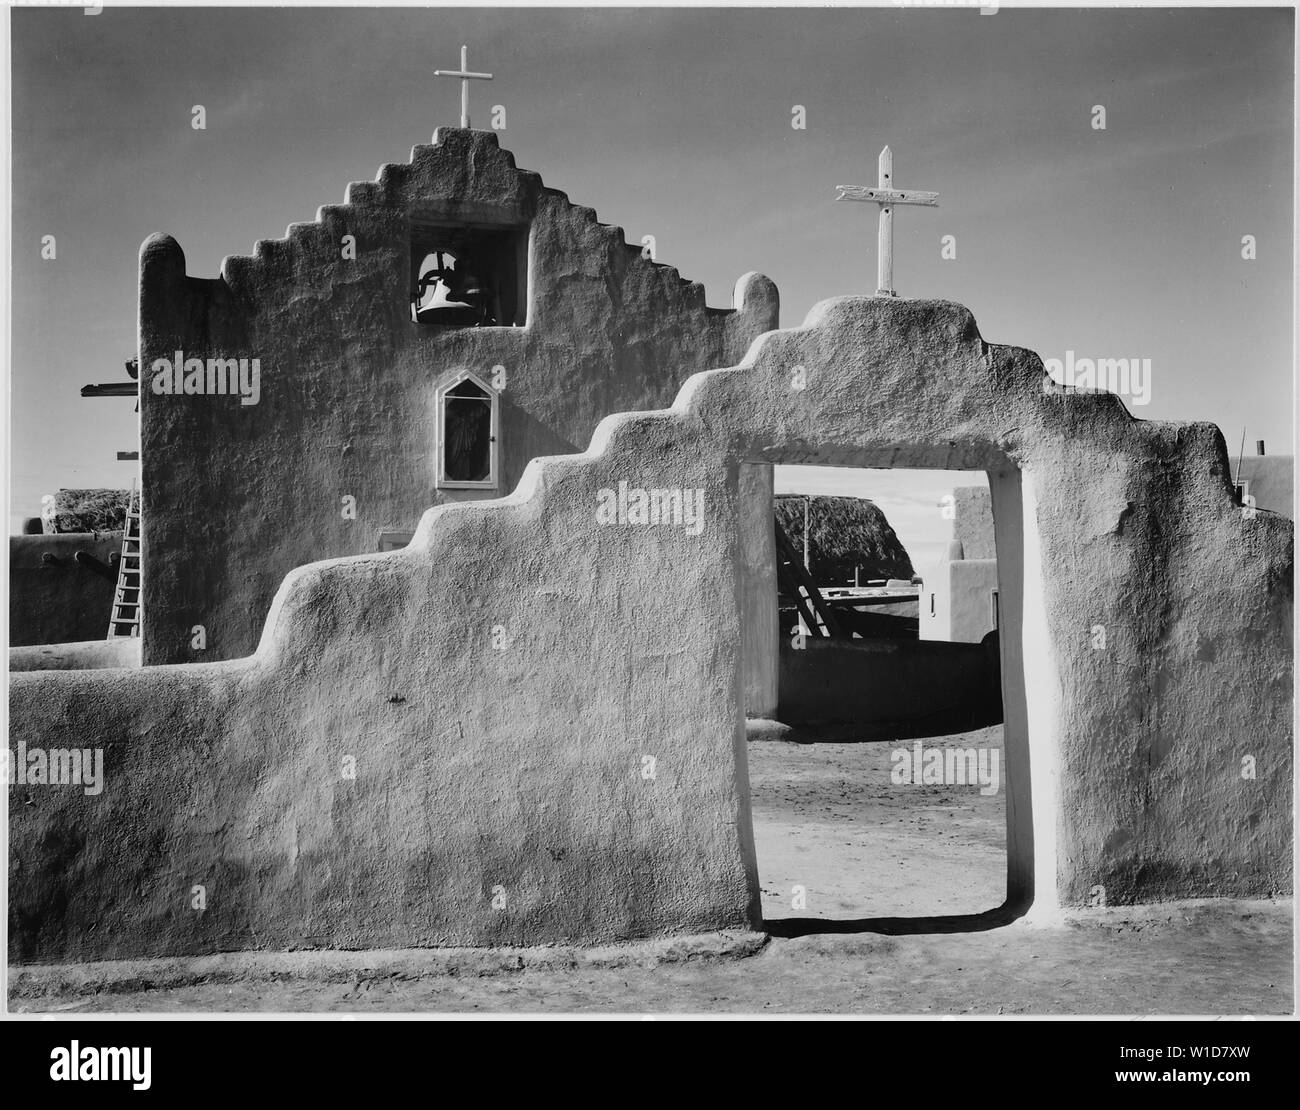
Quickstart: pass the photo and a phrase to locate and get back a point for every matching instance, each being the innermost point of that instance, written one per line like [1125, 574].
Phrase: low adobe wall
[527, 726]
[55, 601]
[79, 655]
[971, 583]
[890, 689]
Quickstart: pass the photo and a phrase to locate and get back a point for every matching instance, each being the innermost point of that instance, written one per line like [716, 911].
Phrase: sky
[1122, 242]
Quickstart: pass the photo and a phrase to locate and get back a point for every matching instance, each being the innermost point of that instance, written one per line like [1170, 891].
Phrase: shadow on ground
[789, 927]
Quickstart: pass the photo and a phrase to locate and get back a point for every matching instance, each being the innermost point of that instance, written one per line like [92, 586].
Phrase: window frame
[441, 481]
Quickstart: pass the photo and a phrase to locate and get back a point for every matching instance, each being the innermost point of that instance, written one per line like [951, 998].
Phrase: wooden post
[885, 254]
[807, 565]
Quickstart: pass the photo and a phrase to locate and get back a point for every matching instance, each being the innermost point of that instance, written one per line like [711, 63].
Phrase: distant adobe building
[414, 346]
[959, 598]
[1267, 481]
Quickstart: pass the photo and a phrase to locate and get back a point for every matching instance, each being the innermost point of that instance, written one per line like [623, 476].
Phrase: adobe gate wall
[527, 727]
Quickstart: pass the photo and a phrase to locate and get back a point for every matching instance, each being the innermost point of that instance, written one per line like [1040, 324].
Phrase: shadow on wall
[53, 598]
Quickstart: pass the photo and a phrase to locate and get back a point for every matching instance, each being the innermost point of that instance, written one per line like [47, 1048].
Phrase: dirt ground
[828, 819]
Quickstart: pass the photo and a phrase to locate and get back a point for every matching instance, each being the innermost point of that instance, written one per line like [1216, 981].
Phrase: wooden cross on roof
[465, 78]
[886, 196]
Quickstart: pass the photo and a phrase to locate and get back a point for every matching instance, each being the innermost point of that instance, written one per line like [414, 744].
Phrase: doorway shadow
[790, 927]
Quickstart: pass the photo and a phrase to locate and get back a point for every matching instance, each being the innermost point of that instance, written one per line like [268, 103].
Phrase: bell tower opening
[469, 275]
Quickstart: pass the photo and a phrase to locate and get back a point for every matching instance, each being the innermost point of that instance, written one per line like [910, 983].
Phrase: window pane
[467, 436]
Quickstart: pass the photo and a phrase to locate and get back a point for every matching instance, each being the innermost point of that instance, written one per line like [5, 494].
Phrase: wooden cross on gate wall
[465, 78]
[886, 196]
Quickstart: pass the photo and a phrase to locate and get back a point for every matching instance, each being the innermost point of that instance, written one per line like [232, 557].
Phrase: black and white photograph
[661, 512]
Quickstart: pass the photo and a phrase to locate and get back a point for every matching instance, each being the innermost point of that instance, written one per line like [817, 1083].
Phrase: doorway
[887, 793]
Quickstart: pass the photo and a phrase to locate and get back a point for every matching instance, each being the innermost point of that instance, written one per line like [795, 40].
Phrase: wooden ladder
[125, 620]
[794, 580]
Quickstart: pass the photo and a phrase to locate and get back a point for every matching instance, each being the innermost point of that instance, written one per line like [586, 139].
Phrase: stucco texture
[518, 774]
[236, 496]
[972, 525]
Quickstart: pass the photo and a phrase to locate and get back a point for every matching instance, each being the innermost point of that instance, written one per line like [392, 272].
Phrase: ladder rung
[125, 619]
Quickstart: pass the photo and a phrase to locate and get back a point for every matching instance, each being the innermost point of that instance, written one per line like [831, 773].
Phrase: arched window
[467, 434]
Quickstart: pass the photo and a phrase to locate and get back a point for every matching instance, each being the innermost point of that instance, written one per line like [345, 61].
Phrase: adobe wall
[955, 601]
[761, 618]
[970, 606]
[546, 713]
[955, 605]
[235, 496]
[1272, 481]
[59, 601]
[972, 524]
[873, 685]
[77, 655]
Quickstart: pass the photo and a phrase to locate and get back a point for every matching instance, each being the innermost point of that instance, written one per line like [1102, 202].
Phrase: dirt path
[1222, 958]
[828, 819]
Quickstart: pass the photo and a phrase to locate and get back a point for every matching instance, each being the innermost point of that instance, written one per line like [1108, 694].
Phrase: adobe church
[414, 346]
[444, 743]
